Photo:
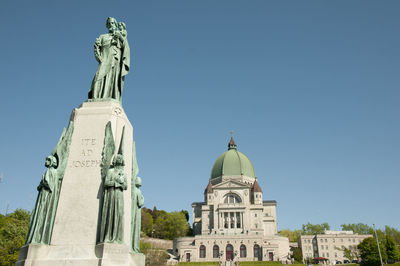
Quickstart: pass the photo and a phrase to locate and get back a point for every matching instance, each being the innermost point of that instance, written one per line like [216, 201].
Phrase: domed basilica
[233, 223]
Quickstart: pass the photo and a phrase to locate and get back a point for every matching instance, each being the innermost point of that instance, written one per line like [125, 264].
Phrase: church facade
[233, 223]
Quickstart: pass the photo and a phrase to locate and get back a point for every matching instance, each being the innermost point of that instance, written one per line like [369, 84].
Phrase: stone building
[233, 223]
[330, 245]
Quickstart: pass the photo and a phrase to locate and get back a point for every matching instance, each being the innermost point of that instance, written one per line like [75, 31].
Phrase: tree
[360, 228]
[394, 233]
[147, 223]
[13, 231]
[292, 235]
[347, 253]
[297, 255]
[350, 253]
[369, 252]
[392, 251]
[186, 213]
[314, 229]
[170, 225]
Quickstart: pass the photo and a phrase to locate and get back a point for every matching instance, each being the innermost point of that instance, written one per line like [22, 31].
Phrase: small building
[233, 223]
[329, 245]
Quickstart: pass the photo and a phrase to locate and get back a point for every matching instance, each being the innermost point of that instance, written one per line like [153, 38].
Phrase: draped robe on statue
[112, 225]
[42, 217]
[113, 54]
[137, 204]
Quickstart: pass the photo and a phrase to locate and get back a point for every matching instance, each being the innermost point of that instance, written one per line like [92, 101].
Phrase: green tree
[360, 228]
[394, 233]
[13, 231]
[313, 229]
[297, 255]
[292, 235]
[392, 250]
[170, 225]
[348, 253]
[369, 252]
[186, 213]
[147, 222]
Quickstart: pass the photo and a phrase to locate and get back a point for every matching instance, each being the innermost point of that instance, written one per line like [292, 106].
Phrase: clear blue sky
[310, 88]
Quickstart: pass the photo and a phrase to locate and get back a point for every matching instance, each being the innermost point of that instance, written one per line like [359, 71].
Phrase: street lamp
[377, 242]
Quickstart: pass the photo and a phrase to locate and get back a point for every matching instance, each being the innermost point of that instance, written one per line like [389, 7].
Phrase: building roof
[269, 202]
[256, 187]
[232, 163]
[209, 188]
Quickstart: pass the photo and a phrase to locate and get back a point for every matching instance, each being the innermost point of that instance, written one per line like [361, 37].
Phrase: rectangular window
[333, 240]
[327, 254]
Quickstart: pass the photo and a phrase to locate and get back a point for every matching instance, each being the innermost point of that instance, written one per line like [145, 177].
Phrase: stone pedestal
[75, 232]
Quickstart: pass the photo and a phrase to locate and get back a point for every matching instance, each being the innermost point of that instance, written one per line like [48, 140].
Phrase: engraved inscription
[87, 154]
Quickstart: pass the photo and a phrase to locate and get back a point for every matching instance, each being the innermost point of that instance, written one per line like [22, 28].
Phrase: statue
[113, 54]
[42, 217]
[137, 203]
[112, 216]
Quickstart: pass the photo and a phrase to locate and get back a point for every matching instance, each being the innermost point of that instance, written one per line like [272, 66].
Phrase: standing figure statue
[43, 215]
[113, 54]
[137, 204]
[46, 204]
[112, 226]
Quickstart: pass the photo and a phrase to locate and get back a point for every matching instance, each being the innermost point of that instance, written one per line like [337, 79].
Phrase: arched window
[231, 198]
[202, 251]
[215, 251]
[257, 252]
[229, 252]
[243, 251]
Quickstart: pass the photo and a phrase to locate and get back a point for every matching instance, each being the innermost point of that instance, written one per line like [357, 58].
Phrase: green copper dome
[232, 163]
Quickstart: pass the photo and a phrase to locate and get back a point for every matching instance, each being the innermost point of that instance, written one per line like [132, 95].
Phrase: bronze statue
[113, 54]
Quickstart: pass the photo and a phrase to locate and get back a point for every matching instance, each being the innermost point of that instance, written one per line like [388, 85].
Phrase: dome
[232, 163]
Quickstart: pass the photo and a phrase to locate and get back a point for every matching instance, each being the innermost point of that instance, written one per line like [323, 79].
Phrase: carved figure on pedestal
[115, 182]
[137, 204]
[42, 217]
[113, 54]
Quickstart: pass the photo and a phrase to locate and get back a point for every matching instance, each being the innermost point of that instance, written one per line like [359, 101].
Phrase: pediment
[231, 184]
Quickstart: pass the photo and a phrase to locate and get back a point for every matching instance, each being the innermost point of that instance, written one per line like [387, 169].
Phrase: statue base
[104, 254]
[76, 227]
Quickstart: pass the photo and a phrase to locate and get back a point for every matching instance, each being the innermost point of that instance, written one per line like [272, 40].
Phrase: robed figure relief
[137, 204]
[43, 215]
[114, 183]
[113, 54]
